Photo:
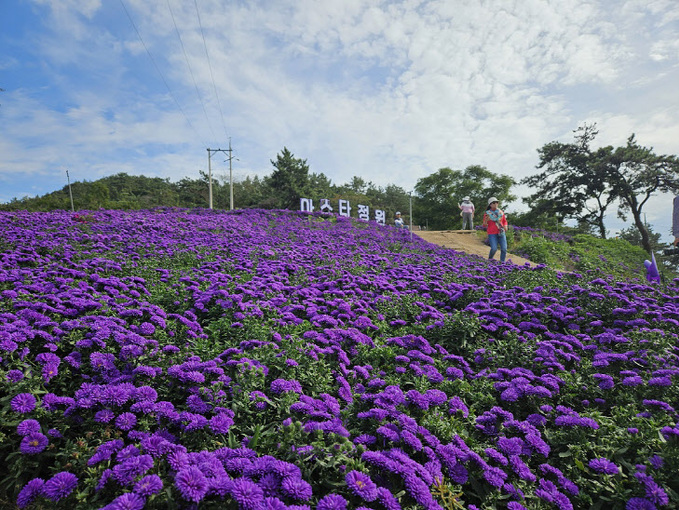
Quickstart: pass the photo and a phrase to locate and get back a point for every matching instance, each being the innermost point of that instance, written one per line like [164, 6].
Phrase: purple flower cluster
[353, 373]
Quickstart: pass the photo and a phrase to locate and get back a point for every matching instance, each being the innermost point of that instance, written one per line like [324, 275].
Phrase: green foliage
[288, 182]
[586, 254]
[440, 193]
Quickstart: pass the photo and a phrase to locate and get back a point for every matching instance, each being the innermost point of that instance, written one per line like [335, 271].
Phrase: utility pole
[411, 216]
[70, 193]
[209, 170]
[230, 176]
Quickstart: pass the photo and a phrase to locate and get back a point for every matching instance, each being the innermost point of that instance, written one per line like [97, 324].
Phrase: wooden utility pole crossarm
[209, 170]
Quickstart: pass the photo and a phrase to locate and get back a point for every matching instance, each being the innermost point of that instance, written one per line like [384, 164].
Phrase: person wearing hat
[467, 213]
[398, 222]
[495, 221]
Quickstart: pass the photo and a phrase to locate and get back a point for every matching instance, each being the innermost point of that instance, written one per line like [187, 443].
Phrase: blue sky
[390, 91]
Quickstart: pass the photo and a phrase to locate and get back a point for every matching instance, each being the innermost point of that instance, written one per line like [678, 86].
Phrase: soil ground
[466, 241]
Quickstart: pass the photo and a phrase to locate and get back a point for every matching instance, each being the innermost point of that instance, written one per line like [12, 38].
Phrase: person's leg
[503, 247]
[465, 221]
[492, 239]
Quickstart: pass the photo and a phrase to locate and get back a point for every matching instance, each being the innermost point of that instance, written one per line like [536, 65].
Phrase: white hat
[492, 199]
[398, 213]
[466, 199]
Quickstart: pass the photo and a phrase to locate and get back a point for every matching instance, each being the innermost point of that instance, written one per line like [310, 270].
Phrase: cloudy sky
[387, 90]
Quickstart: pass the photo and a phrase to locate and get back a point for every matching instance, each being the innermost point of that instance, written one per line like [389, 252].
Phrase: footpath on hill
[466, 241]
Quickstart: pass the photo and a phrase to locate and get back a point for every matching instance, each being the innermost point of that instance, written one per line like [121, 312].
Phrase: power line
[219, 105]
[188, 64]
[159, 71]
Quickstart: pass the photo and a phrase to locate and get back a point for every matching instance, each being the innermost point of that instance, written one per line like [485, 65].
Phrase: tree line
[574, 183]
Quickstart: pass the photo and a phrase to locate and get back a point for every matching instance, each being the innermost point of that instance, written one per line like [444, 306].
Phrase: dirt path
[466, 241]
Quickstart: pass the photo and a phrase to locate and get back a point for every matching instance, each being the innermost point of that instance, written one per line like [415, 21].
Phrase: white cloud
[390, 91]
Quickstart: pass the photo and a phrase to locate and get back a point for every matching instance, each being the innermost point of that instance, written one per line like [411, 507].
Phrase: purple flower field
[273, 359]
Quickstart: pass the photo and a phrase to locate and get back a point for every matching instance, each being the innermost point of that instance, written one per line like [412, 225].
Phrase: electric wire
[162, 77]
[219, 104]
[188, 64]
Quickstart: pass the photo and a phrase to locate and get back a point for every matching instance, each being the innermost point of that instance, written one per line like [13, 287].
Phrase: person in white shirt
[398, 222]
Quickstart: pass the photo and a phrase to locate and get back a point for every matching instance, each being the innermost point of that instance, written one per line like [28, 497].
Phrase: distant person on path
[468, 211]
[675, 221]
[495, 221]
[398, 222]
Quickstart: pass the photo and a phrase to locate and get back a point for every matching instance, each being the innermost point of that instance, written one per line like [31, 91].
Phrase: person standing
[398, 222]
[467, 208]
[495, 221]
[675, 220]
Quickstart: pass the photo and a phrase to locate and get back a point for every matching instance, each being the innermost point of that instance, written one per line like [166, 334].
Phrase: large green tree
[581, 183]
[635, 174]
[572, 184]
[439, 194]
[289, 181]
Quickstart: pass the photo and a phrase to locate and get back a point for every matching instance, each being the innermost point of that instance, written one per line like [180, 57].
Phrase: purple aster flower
[494, 476]
[128, 501]
[50, 371]
[603, 465]
[104, 416]
[510, 446]
[365, 439]
[640, 504]
[660, 381]
[272, 503]
[387, 499]
[130, 468]
[192, 483]
[54, 433]
[147, 328]
[15, 376]
[296, 488]
[246, 493]
[656, 461]
[27, 427]
[332, 502]
[496, 456]
[361, 485]
[59, 486]
[29, 492]
[220, 423]
[23, 403]
[150, 484]
[521, 468]
[105, 476]
[126, 421]
[419, 491]
[33, 443]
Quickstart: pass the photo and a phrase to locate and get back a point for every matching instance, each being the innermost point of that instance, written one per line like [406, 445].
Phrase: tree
[573, 184]
[248, 192]
[581, 183]
[633, 236]
[635, 174]
[289, 181]
[440, 193]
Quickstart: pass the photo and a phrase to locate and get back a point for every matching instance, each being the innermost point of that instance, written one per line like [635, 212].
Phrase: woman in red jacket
[495, 221]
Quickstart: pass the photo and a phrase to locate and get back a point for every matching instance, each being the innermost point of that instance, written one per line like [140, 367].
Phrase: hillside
[466, 242]
[273, 359]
